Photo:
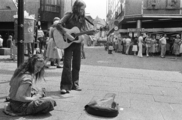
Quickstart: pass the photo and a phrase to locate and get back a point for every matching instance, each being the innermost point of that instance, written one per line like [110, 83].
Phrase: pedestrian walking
[9, 41]
[176, 45]
[135, 46]
[153, 46]
[148, 41]
[13, 50]
[120, 44]
[140, 46]
[1, 42]
[40, 37]
[180, 51]
[53, 53]
[163, 42]
[115, 42]
[111, 48]
[127, 43]
[23, 101]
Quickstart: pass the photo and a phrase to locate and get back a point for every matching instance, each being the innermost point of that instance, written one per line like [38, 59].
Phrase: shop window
[153, 4]
[50, 5]
[52, 2]
[172, 4]
[52, 8]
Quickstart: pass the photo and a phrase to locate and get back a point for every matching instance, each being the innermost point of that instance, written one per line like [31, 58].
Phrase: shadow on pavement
[4, 82]
[39, 117]
[98, 117]
[6, 72]
[3, 97]
[54, 74]
[8, 60]
[57, 95]
[6, 117]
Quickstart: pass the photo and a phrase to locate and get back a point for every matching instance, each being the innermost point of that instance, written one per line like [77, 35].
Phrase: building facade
[47, 11]
[44, 11]
[66, 6]
[145, 16]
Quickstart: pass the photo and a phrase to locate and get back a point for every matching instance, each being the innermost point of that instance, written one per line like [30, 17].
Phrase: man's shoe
[52, 64]
[46, 66]
[67, 91]
[59, 66]
[7, 99]
[63, 91]
[77, 89]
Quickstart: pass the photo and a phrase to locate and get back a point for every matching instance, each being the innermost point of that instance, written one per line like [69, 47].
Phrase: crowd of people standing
[147, 44]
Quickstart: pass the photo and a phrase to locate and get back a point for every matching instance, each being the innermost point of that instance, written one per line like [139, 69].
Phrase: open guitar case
[105, 107]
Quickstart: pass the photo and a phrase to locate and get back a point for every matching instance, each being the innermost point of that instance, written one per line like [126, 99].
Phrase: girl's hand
[36, 97]
[54, 48]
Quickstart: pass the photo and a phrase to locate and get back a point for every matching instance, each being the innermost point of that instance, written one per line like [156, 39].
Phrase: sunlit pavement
[142, 94]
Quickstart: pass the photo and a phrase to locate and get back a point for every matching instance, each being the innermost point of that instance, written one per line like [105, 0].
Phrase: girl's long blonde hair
[29, 67]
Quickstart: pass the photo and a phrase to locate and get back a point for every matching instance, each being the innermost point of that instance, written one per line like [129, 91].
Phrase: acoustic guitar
[72, 36]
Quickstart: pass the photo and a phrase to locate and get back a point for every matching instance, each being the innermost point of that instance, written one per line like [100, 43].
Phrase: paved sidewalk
[143, 94]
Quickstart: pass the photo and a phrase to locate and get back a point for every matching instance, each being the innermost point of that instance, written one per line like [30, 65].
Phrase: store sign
[116, 28]
[135, 29]
[131, 30]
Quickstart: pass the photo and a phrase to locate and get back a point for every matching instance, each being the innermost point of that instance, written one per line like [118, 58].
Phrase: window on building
[50, 5]
[52, 2]
[52, 8]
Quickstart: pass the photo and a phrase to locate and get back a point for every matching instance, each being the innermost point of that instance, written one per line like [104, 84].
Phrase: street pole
[20, 57]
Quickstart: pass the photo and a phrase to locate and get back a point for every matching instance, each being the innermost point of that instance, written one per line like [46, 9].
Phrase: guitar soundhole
[69, 41]
[76, 37]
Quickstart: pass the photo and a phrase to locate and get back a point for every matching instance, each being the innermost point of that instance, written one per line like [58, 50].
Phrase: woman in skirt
[135, 47]
[53, 52]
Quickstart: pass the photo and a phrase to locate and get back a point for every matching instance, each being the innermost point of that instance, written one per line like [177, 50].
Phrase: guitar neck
[85, 32]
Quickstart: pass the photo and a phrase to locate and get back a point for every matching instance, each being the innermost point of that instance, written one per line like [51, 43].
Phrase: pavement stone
[142, 94]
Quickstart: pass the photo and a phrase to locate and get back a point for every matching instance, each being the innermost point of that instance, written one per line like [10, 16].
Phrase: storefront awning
[150, 30]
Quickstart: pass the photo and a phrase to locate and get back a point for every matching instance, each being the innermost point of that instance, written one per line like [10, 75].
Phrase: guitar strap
[89, 21]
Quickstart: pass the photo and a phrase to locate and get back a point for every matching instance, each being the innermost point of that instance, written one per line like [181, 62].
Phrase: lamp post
[20, 58]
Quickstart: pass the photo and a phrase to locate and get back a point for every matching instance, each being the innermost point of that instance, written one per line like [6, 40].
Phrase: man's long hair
[76, 12]
[29, 67]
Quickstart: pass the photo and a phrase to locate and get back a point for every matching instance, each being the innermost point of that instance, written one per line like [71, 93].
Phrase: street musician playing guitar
[75, 21]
